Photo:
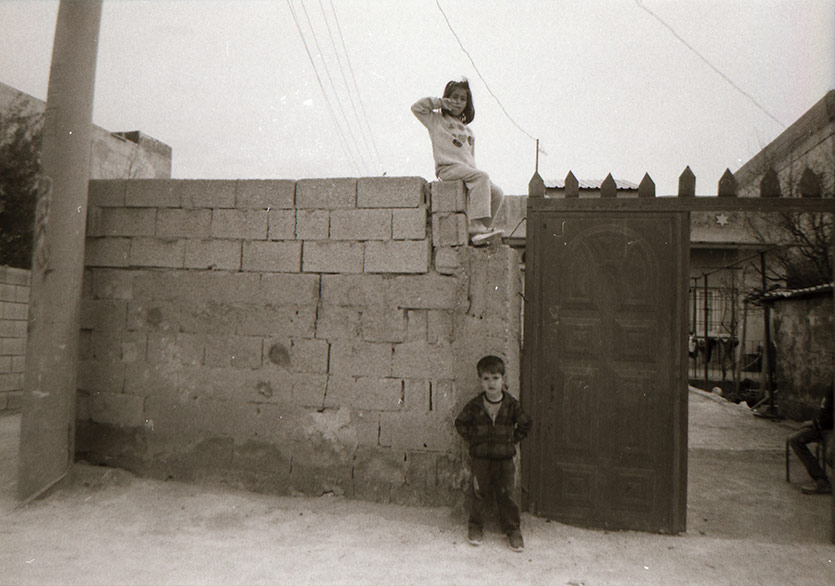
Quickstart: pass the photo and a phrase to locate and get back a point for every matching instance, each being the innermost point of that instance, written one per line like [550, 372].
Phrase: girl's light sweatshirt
[452, 140]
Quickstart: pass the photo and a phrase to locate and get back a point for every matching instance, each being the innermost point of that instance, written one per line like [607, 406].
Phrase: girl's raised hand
[446, 103]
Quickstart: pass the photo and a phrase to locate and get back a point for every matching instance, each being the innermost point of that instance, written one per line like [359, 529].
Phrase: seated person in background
[813, 431]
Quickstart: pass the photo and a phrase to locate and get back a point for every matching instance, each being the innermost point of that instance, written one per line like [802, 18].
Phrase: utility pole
[47, 435]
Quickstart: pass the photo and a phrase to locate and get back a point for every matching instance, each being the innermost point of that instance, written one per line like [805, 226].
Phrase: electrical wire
[343, 141]
[484, 81]
[333, 85]
[345, 80]
[708, 63]
[356, 87]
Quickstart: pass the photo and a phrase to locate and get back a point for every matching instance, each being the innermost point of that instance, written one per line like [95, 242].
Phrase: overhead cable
[708, 63]
[343, 141]
[484, 81]
[356, 87]
[333, 85]
[345, 81]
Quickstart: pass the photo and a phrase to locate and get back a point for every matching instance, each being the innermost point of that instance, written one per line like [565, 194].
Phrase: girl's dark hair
[469, 110]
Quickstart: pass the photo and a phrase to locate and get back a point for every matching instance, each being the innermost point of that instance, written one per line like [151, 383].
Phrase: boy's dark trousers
[499, 476]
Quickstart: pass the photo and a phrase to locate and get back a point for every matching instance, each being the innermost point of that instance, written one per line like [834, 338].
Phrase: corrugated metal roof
[621, 184]
[791, 293]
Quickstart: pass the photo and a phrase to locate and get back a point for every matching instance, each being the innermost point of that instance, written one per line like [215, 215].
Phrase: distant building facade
[114, 155]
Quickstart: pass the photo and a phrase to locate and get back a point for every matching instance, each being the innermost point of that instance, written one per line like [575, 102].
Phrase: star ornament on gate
[722, 219]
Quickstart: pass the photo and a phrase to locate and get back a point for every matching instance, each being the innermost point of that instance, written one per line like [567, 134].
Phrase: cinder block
[180, 223]
[176, 350]
[14, 400]
[354, 290]
[156, 252]
[107, 252]
[416, 394]
[422, 360]
[444, 399]
[117, 409]
[153, 193]
[372, 393]
[220, 288]
[416, 324]
[5, 365]
[337, 323]
[368, 428]
[265, 194]
[213, 254]
[287, 289]
[235, 351]
[279, 256]
[240, 224]
[18, 364]
[447, 261]
[308, 355]
[448, 196]
[383, 324]
[439, 327]
[354, 358]
[14, 311]
[283, 321]
[103, 314]
[10, 382]
[117, 345]
[12, 346]
[206, 193]
[310, 390]
[282, 224]
[328, 194]
[122, 221]
[312, 224]
[397, 256]
[21, 293]
[196, 317]
[409, 431]
[360, 225]
[409, 224]
[100, 376]
[14, 276]
[449, 230]
[391, 192]
[113, 283]
[7, 292]
[333, 257]
[106, 193]
[424, 291]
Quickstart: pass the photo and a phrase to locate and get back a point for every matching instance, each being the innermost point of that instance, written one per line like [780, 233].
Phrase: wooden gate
[608, 385]
[605, 357]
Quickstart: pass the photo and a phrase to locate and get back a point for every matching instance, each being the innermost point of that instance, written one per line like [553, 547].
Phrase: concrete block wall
[14, 311]
[312, 336]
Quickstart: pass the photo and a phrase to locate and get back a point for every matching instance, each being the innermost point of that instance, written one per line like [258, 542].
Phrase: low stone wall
[307, 336]
[14, 311]
[803, 335]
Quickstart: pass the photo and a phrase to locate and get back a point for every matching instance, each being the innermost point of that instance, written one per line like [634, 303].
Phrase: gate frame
[685, 202]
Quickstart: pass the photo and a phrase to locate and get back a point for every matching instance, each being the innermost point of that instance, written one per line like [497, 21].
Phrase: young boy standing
[492, 424]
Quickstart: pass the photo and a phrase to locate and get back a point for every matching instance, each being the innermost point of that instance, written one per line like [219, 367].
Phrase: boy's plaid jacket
[493, 441]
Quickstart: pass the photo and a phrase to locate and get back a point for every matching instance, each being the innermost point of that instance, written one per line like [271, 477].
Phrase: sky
[625, 87]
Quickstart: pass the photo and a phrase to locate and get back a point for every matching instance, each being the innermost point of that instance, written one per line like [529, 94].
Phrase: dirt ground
[745, 525]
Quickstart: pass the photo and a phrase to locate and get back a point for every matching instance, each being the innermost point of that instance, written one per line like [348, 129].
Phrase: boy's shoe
[821, 486]
[475, 535]
[484, 238]
[515, 541]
